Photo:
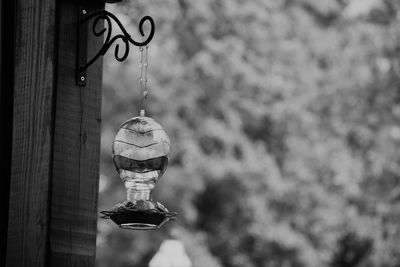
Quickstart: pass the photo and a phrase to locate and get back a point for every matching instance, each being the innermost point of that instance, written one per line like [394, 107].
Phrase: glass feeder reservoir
[140, 154]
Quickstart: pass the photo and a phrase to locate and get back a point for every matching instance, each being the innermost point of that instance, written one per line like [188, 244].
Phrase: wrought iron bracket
[83, 30]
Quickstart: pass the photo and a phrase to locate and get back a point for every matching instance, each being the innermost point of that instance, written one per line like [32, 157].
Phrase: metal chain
[143, 76]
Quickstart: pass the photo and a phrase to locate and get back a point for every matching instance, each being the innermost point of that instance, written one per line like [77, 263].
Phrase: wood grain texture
[32, 137]
[55, 141]
[76, 149]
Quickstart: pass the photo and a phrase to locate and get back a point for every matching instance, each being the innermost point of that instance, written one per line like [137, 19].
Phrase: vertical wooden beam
[55, 141]
[32, 133]
[76, 148]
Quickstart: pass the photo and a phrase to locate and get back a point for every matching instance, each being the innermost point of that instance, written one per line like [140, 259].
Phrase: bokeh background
[284, 121]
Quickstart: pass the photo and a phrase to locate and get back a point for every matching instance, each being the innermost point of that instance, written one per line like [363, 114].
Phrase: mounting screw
[82, 78]
[84, 11]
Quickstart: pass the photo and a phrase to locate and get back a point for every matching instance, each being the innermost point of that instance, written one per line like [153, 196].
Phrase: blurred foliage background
[284, 123]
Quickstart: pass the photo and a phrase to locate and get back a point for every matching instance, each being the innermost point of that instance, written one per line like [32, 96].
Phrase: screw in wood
[84, 11]
[82, 78]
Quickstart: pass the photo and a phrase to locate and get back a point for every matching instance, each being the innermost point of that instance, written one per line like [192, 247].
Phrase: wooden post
[76, 149]
[55, 140]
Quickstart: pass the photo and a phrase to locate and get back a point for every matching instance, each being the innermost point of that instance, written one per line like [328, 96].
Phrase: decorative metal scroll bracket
[84, 18]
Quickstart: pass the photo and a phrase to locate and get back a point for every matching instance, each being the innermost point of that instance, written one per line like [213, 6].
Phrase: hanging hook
[108, 17]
